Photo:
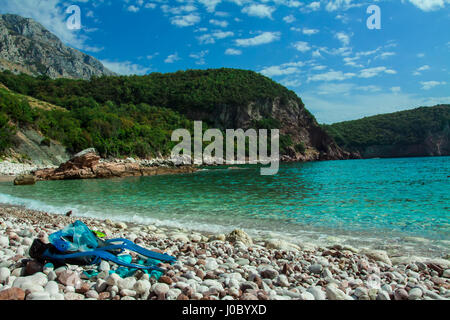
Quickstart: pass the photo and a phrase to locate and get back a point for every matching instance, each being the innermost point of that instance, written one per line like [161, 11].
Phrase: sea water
[402, 205]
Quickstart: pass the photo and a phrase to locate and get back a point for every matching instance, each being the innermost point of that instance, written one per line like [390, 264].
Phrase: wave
[300, 236]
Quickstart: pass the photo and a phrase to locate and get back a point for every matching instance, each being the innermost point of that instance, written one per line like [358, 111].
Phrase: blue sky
[322, 50]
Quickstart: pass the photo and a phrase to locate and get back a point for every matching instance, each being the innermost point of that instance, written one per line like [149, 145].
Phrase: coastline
[217, 266]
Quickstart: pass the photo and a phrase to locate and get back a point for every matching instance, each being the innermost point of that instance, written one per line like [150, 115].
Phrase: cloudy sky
[323, 49]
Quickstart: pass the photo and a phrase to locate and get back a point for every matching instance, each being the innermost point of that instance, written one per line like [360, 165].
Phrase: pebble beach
[231, 266]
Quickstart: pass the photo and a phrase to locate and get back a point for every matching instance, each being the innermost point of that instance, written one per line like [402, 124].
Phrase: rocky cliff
[292, 118]
[27, 47]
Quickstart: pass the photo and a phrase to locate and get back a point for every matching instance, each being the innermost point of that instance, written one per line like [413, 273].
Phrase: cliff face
[294, 121]
[27, 47]
[433, 144]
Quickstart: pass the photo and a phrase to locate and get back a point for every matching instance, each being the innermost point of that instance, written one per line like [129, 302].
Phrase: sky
[322, 50]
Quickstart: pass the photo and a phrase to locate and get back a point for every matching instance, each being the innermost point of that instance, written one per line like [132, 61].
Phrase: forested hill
[424, 131]
[135, 115]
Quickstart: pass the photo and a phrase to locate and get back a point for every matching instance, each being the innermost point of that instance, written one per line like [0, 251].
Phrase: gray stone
[333, 293]
[142, 286]
[52, 288]
[315, 268]
[307, 296]
[317, 292]
[104, 266]
[383, 295]
[161, 288]
[126, 283]
[38, 296]
[415, 293]
[4, 275]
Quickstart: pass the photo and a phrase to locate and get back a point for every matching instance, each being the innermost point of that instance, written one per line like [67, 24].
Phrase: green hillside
[404, 128]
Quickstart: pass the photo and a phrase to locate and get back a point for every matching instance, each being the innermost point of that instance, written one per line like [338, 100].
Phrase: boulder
[281, 245]
[377, 255]
[24, 180]
[239, 235]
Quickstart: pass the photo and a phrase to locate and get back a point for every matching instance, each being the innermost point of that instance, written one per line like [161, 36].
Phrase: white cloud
[172, 58]
[289, 19]
[259, 10]
[302, 46]
[335, 5]
[343, 38]
[396, 89]
[186, 20]
[125, 67]
[418, 71]
[309, 32]
[427, 85]
[133, 8]
[220, 23]
[200, 57]
[263, 38]
[331, 76]
[373, 72]
[233, 52]
[210, 4]
[429, 5]
[278, 71]
[210, 38]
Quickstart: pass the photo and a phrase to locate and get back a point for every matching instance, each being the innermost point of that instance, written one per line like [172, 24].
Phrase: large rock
[281, 245]
[87, 165]
[239, 235]
[24, 180]
[377, 255]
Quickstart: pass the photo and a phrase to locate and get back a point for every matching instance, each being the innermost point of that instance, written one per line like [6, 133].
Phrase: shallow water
[399, 204]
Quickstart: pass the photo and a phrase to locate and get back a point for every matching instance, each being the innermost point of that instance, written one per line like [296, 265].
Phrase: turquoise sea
[398, 204]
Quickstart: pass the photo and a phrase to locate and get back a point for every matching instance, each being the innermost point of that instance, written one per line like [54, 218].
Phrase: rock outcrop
[24, 180]
[26, 46]
[295, 122]
[88, 165]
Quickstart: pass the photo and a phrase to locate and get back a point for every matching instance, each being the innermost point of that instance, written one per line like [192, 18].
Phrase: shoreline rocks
[88, 165]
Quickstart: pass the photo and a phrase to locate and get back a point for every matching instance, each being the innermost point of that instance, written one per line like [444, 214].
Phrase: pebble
[400, 294]
[317, 292]
[4, 275]
[92, 294]
[315, 268]
[160, 288]
[307, 296]
[415, 293]
[142, 286]
[333, 293]
[383, 295]
[52, 288]
[126, 283]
